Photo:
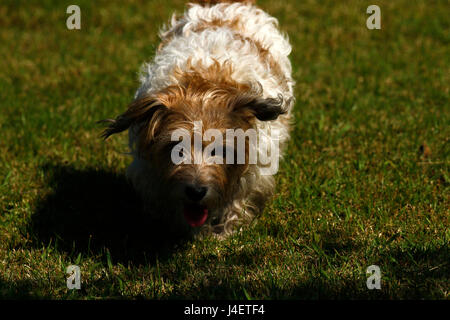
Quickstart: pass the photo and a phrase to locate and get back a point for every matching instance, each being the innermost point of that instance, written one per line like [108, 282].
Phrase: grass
[365, 179]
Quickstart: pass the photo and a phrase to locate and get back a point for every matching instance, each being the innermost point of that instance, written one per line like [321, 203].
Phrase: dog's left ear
[140, 110]
[264, 109]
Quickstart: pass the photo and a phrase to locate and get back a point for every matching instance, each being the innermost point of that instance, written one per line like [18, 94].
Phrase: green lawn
[365, 179]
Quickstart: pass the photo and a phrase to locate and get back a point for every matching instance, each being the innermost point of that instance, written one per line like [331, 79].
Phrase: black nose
[195, 193]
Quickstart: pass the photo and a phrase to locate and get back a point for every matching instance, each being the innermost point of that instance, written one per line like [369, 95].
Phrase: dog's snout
[195, 193]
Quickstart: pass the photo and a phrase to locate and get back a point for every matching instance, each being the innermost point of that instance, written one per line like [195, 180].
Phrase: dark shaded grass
[90, 210]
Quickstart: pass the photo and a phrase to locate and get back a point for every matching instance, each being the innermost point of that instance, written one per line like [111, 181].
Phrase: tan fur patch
[265, 56]
[207, 94]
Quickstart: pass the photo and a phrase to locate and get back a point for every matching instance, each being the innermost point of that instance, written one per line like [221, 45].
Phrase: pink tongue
[195, 215]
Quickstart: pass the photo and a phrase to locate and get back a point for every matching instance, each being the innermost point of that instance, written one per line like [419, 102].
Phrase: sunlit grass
[365, 179]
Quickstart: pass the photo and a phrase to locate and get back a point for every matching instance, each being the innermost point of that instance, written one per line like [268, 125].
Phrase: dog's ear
[140, 110]
[264, 109]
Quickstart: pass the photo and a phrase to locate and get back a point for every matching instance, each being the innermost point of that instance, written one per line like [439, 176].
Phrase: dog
[225, 65]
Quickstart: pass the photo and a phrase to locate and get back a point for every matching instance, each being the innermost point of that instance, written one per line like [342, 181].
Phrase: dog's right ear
[140, 110]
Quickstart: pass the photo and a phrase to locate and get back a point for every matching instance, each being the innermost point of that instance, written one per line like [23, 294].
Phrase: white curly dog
[223, 65]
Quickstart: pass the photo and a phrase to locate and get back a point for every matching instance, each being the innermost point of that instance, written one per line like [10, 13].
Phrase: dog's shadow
[92, 211]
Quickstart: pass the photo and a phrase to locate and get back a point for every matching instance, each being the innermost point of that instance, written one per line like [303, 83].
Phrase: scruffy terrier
[223, 65]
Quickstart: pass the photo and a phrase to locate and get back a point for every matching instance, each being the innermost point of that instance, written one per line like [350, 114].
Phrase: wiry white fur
[220, 44]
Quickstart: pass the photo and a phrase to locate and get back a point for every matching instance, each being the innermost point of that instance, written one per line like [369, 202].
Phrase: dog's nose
[195, 193]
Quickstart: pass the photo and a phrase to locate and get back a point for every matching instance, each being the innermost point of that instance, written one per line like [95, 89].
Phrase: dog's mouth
[195, 214]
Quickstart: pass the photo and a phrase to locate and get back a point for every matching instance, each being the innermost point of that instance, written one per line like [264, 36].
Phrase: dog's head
[186, 132]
